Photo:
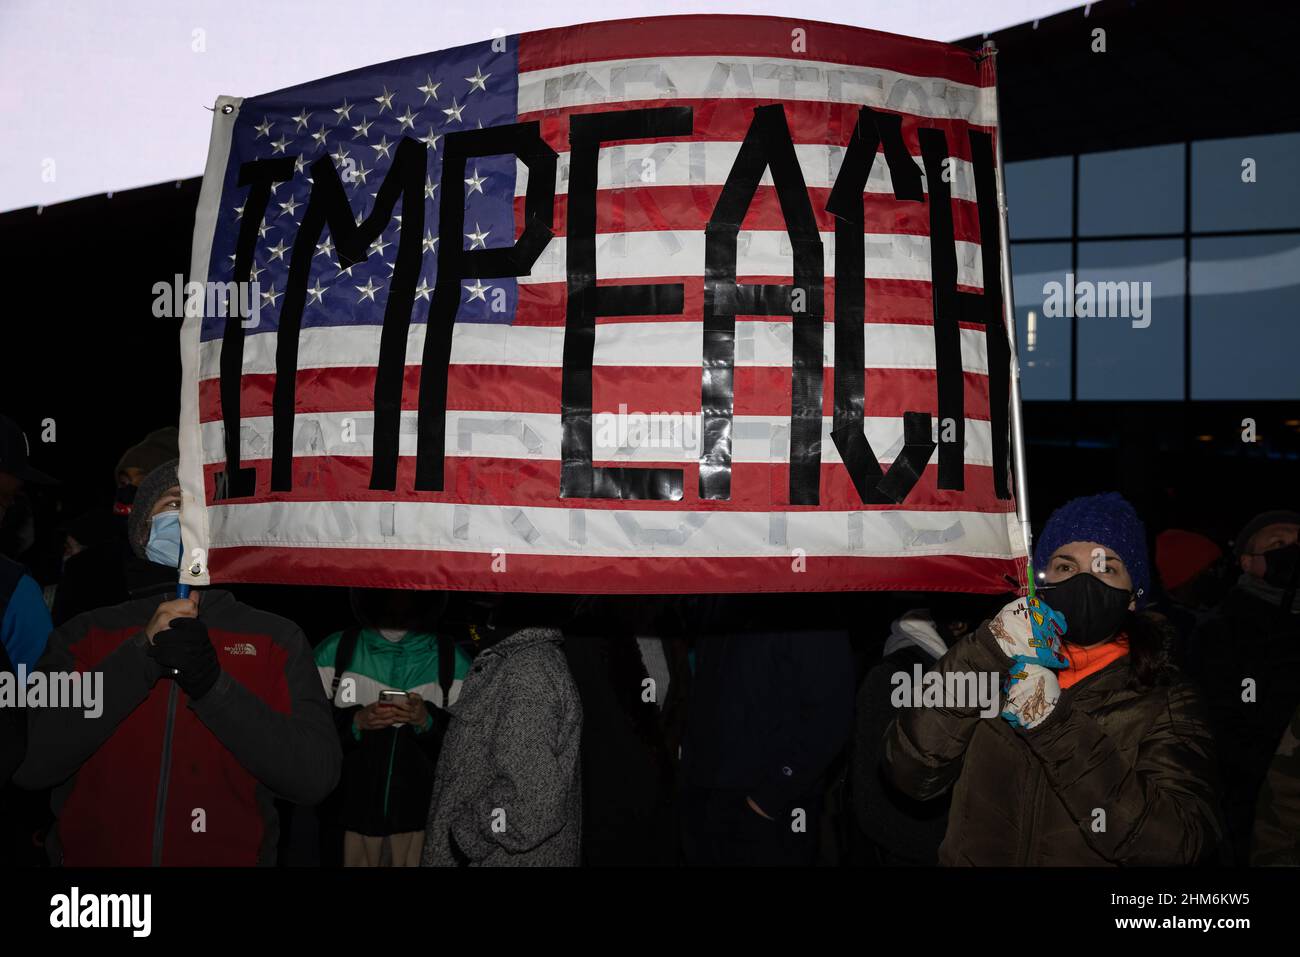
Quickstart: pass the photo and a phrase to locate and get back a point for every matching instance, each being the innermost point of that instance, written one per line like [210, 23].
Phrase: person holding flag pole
[230, 692]
[1102, 754]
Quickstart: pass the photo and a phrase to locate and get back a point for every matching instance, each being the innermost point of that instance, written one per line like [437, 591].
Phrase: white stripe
[646, 165]
[738, 77]
[537, 435]
[619, 534]
[676, 344]
[760, 252]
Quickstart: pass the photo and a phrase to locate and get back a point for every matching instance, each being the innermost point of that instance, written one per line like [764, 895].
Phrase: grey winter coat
[507, 789]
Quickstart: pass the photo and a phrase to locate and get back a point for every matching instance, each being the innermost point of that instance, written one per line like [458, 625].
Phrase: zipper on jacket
[164, 775]
[388, 781]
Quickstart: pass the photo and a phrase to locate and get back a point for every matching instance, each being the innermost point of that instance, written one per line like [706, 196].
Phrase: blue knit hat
[1107, 519]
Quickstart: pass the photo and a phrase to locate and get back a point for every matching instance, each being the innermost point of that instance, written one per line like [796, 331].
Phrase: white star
[385, 101]
[281, 144]
[477, 291]
[428, 242]
[368, 290]
[453, 112]
[429, 187]
[423, 289]
[254, 270]
[430, 89]
[263, 229]
[319, 136]
[239, 212]
[360, 173]
[475, 184]
[339, 156]
[431, 140]
[381, 148]
[301, 119]
[326, 247]
[317, 293]
[299, 165]
[293, 204]
[407, 120]
[264, 129]
[344, 112]
[478, 238]
[277, 251]
[271, 295]
[378, 246]
[477, 80]
[362, 128]
[344, 272]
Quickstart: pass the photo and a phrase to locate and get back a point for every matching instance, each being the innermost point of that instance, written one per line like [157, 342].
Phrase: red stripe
[688, 208]
[759, 390]
[578, 574]
[535, 483]
[760, 36]
[727, 120]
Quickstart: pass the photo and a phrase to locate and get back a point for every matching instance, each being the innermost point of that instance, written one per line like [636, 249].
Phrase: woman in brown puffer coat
[1108, 761]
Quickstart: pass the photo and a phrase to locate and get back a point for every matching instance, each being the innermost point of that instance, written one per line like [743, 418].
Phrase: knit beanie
[152, 487]
[155, 449]
[1106, 519]
[1259, 522]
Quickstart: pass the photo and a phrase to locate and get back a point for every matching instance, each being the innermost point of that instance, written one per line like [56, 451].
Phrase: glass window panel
[1039, 197]
[1221, 200]
[1246, 317]
[1131, 191]
[1131, 346]
[1043, 344]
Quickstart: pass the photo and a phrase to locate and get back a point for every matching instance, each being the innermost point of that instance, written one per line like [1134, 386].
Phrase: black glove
[185, 647]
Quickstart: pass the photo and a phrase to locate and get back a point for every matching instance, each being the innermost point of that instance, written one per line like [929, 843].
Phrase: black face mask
[1280, 565]
[1093, 610]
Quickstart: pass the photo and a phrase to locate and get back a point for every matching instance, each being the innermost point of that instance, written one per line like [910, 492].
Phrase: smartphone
[393, 697]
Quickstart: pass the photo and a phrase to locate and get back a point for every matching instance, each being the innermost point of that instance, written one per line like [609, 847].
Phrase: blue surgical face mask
[164, 547]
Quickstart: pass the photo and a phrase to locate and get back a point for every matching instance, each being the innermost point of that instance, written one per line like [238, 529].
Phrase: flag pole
[990, 49]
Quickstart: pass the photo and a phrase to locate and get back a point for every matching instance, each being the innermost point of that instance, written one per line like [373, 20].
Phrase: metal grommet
[228, 109]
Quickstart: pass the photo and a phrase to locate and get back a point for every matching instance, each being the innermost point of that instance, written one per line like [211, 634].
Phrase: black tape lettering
[234, 481]
[767, 145]
[455, 263]
[848, 431]
[579, 477]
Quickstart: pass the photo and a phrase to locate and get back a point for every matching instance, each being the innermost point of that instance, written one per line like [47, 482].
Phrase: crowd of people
[1143, 710]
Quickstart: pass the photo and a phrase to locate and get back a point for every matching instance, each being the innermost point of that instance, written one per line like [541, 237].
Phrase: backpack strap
[343, 657]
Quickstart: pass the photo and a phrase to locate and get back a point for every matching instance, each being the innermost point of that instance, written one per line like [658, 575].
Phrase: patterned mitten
[1031, 692]
[1029, 632]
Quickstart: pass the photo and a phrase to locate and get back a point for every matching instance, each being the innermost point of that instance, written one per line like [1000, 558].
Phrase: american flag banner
[681, 304]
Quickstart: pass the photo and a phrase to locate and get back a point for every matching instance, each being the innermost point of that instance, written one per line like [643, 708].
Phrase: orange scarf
[1087, 661]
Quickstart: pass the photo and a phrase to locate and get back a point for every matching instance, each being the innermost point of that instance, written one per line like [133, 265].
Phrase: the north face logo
[241, 648]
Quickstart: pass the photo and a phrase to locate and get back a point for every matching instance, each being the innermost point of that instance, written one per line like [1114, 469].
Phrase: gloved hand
[1029, 632]
[1031, 692]
[186, 647]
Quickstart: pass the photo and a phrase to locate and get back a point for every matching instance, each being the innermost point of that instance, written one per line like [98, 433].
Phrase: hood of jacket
[915, 628]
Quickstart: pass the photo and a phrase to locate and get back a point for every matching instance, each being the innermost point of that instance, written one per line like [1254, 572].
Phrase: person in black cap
[16, 533]
[24, 619]
[1247, 658]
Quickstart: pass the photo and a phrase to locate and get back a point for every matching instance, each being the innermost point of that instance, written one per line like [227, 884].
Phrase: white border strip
[195, 532]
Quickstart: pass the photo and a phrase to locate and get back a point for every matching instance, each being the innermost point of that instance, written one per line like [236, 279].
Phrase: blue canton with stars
[357, 119]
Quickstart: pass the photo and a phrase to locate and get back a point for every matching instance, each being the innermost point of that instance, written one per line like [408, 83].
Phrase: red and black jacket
[158, 779]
